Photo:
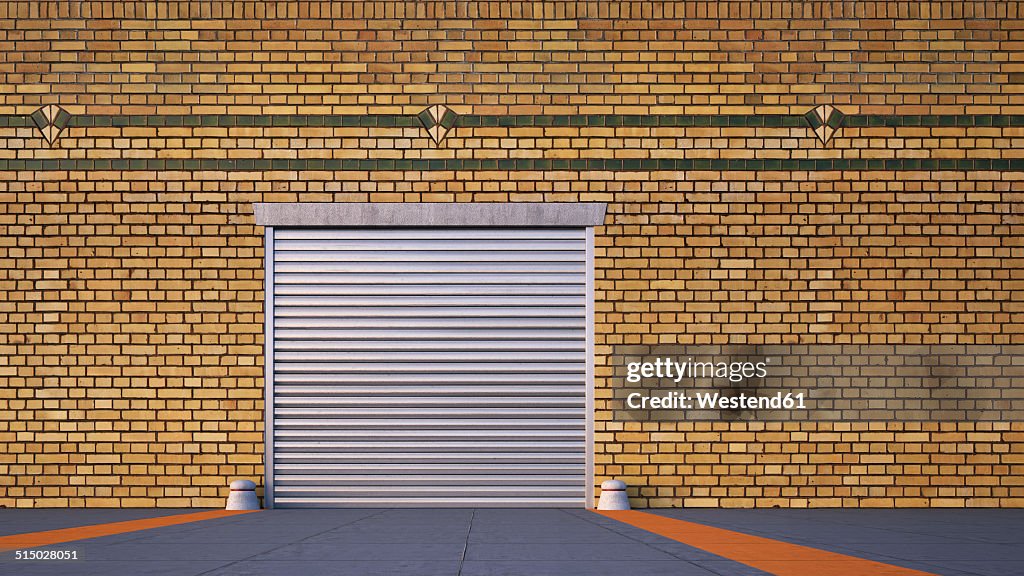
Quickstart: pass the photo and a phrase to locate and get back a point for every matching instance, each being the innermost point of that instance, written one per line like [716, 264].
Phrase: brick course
[131, 283]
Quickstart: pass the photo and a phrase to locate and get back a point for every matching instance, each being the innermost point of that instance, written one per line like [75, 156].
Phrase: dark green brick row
[469, 120]
[652, 120]
[15, 121]
[601, 164]
[248, 120]
[475, 120]
[946, 120]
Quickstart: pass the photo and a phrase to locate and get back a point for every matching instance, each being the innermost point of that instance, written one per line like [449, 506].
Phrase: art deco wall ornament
[51, 121]
[438, 121]
[825, 121]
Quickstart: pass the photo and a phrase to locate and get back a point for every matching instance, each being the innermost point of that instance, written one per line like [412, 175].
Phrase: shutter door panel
[429, 367]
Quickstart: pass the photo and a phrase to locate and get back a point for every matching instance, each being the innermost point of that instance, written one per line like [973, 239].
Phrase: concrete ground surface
[509, 542]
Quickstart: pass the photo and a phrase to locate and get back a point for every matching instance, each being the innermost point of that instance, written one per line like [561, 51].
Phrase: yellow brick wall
[131, 282]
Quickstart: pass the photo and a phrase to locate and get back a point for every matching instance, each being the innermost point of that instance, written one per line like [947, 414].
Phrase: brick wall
[740, 213]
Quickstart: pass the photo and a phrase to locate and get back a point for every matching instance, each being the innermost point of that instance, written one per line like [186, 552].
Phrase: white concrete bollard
[243, 496]
[613, 496]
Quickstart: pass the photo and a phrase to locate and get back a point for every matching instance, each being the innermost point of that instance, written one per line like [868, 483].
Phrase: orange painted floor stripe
[48, 537]
[773, 556]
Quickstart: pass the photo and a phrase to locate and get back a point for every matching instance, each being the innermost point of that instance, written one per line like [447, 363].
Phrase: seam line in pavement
[62, 535]
[772, 556]
[469, 534]
[331, 529]
[637, 540]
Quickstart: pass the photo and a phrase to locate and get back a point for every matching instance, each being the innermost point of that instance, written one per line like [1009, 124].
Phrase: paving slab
[338, 568]
[112, 568]
[988, 568]
[379, 552]
[604, 551]
[583, 568]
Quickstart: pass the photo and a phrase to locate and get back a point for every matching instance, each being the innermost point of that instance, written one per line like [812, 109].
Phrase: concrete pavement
[493, 542]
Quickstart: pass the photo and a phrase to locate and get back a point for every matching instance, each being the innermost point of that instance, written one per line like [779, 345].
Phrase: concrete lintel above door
[438, 214]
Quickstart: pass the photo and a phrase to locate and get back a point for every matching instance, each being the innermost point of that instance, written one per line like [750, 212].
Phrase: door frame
[430, 215]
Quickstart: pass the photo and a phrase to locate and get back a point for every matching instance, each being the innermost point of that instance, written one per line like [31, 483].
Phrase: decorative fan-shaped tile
[438, 120]
[825, 121]
[51, 120]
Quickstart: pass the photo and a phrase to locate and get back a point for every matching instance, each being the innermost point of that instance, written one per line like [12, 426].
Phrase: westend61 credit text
[676, 371]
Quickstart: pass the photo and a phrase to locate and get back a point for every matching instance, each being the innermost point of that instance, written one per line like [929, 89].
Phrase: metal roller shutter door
[429, 367]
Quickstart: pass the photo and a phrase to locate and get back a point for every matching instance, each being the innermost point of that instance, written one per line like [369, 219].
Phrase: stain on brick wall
[777, 173]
